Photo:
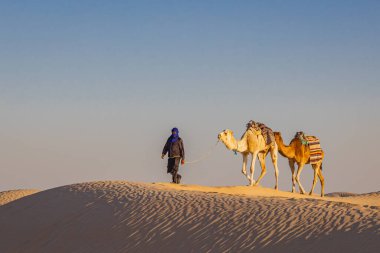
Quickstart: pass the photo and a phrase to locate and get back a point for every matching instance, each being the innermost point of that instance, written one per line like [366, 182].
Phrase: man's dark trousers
[173, 165]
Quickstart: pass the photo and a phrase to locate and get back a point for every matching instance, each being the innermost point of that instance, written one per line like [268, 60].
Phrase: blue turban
[174, 137]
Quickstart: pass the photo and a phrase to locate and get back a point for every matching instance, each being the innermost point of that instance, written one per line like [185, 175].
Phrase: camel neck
[287, 151]
[240, 145]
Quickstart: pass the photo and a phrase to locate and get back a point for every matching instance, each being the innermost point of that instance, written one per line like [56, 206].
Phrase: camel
[298, 153]
[252, 142]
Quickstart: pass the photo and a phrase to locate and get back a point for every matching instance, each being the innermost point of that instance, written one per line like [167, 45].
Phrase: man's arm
[182, 150]
[165, 150]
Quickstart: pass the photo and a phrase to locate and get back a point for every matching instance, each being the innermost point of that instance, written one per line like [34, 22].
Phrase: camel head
[226, 136]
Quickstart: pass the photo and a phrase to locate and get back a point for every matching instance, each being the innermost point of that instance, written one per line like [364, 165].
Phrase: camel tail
[321, 165]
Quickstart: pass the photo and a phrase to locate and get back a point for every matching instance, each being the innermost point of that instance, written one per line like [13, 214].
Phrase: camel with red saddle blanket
[303, 150]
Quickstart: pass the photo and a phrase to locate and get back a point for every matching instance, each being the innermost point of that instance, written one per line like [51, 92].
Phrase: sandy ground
[8, 196]
[120, 216]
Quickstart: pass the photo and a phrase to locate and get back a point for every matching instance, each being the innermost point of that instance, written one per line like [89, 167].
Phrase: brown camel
[299, 153]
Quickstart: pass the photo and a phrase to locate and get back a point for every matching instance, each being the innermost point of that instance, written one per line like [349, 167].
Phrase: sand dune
[9, 196]
[120, 216]
[365, 199]
[341, 194]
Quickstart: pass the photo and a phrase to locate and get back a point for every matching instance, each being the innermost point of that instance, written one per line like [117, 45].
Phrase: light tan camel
[252, 142]
[298, 153]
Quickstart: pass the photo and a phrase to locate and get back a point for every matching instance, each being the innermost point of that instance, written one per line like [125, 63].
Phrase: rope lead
[204, 157]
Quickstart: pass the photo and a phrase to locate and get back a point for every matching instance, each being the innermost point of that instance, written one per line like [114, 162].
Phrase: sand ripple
[134, 217]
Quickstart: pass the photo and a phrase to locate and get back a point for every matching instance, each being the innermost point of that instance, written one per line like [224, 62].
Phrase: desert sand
[120, 216]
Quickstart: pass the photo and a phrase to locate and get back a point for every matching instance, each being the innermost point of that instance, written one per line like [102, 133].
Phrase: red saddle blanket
[315, 149]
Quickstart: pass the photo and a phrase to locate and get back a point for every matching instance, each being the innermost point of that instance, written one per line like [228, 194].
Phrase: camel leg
[252, 169]
[261, 157]
[274, 156]
[292, 168]
[316, 168]
[244, 169]
[322, 179]
[300, 168]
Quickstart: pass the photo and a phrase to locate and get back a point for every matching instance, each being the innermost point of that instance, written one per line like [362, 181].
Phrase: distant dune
[350, 194]
[8, 196]
[120, 216]
[341, 194]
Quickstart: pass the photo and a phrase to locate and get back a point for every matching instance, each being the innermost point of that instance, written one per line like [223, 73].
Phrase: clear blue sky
[89, 90]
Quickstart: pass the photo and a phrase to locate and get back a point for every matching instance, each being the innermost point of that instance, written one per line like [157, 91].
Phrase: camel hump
[316, 153]
[260, 128]
[306, 139]
[312, 138]
[255, 131]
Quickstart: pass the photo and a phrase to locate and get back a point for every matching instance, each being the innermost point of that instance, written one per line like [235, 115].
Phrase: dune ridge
[12, 195]
[120, 216]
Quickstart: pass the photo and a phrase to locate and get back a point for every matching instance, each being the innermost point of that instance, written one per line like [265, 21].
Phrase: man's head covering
[174, 137]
